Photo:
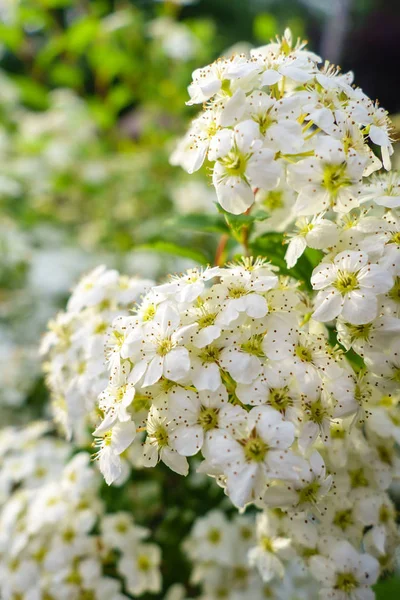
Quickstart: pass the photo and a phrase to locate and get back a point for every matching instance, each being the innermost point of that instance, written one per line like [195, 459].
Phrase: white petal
[359, 307]
[295, 249]
[329, 305]
[176, 364]
[187, 441]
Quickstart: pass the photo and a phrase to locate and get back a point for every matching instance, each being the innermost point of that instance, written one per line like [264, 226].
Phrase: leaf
[175, 250]
[272, 247]
[32, 93]
[11, 37]
[81, 35]
[67, 75]
[265, 27]
[388, 589]
[200, 222]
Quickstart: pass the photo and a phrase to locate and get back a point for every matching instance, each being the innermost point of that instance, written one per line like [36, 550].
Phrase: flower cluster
[224, 555]
[230, 362]
[74, 346]
[289, 398]
[56, 539]
[275, 122]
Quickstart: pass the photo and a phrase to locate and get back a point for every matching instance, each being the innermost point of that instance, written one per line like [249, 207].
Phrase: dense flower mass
[74, 346]
[286, 391]
[225, 555]
[231, 362]
[56, 540]
[277, 117]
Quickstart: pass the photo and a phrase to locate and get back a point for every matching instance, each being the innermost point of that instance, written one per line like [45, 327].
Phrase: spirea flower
[56, 539]
[74, 346]
[278, 116]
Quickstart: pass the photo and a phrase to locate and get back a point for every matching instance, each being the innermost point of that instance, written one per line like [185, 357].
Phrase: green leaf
[32, 93]
[272, 247]
[265, 27]
[81, 35]
[119, 97]
[11, 37]
[388, 589]
[66, 75]
[175, 250]
[200, 222]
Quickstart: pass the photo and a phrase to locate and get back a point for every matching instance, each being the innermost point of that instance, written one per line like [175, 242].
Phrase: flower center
[161, 436]
[100, 328]
[74, 578]
[164, 346]
[87, 595]
[237, 291]
[346, 582]
[119, 337]
[255, 449]
[240, 574]
[335, 177]
[81, 368]
[266, 544]
[395, 239]
[149, 312]
[303, 353]
[273, 200]
[214, 536]
[343, 519]
[317, 412]
[385, 455]
[358, 479]
[143, 562]
[309, 493]
[121, 527]
[208, 418]
[394, 293]
[279, 398]
[206, 320]
[68, 535]
[359, 332]
[396, 375]
[346, 282]
[235, 164]
[209, 354]
[254, 345]
[264, 120]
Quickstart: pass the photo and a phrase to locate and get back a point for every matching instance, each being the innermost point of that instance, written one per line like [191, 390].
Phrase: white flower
[249, 459]
[141, 569]
[241, 165]
[349, 286]
[316, 233]
[158, 445]
[384, 190]
[196, 416]
[212, 538]
[112, 441]
[328, 180]
[266, 556]
[311, 485]
[158, 349]
[344, 573]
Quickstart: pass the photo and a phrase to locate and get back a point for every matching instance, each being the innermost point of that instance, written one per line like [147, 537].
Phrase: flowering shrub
[287, 389]
[56, 540]
[272, 372]
[74, 345]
